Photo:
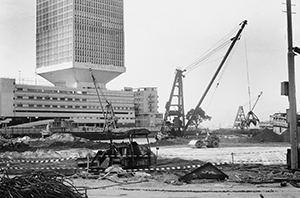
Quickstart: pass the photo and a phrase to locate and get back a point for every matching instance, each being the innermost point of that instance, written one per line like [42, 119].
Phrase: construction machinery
[244, 121]
[110, 120]
[174, 120]
[127, 154]
[207, 139]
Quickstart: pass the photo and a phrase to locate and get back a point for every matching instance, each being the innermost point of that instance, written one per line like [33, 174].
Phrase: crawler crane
[179, 127]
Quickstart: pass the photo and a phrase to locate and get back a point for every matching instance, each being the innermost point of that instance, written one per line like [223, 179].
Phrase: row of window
[72, 112]
[50, 98]
[52, 62]
[110, 11]
[68, 106]
[47, 26]
[73, 92]
[111, 5]
[48, 7]
[100, 3]
[46, 3]
[50, 91]
[55, 53]
[54, 23]
[55, 15]
[56, 32]
[99, 61]
[96, 20]
[115, 49]
[94, 39]
[100, 31]
[96, 57]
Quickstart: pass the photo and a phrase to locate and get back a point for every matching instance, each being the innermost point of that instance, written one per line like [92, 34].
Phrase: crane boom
[234, 40]
[95, 84]
[110, 120]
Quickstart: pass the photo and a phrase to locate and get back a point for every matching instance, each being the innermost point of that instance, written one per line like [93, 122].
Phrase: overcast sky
[162, 35]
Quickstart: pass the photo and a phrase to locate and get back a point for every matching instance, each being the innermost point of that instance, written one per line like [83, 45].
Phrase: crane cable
[247, 70]
[222, 74]
[210, 52]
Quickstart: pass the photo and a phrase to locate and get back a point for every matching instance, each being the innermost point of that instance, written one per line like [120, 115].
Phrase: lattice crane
[110, 120]
[178, 127]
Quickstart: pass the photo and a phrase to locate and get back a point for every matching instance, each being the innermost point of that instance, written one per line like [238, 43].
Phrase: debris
[206, 171]
[38, 184]
[114, 169]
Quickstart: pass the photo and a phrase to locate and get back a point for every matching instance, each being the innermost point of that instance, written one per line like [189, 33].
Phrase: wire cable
[247, 70]
[225, 41]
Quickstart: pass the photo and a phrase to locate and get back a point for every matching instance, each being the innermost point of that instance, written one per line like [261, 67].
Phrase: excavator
[174, 120]
[243, 121]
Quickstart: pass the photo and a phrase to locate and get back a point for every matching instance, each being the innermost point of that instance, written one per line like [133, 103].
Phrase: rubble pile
[47, 154]
[7, 144]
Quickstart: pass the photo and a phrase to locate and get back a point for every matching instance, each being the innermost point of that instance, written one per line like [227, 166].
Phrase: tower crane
[178, 127]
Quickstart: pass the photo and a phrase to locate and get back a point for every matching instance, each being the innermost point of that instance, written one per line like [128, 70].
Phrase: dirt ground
[60, 152]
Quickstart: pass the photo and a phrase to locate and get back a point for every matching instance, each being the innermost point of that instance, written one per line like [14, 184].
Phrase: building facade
[23, 103]
[146, 107]
[75, 35]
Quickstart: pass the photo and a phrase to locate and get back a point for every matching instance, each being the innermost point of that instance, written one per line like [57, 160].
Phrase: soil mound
[265, 135]
[286, 136]
[64, 137]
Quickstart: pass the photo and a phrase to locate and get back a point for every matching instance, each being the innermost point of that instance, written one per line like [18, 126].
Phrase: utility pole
[292, 91]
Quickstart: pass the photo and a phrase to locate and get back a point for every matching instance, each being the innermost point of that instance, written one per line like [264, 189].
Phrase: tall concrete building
[75, 35]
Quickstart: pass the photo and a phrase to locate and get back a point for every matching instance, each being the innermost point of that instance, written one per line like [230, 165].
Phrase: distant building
[277, 122]
[146, 107]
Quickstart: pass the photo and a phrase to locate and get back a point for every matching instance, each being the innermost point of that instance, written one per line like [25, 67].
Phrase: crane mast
[177, 113]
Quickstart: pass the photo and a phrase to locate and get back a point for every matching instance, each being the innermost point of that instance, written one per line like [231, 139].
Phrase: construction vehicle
[177, 116]
[129, 154]
[209, 140]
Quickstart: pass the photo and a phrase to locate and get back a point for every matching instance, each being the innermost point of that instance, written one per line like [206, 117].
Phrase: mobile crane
[179, 127]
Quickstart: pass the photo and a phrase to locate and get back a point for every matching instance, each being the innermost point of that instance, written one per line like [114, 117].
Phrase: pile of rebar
[38, 185]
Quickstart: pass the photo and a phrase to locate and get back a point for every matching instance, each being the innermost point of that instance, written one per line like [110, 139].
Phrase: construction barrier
[11, 164]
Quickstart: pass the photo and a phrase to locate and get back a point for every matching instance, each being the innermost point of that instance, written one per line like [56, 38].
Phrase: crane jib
[234, 39]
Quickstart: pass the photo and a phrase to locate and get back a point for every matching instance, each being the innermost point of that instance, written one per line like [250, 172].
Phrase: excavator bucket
[196, 143]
